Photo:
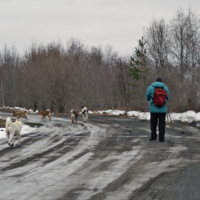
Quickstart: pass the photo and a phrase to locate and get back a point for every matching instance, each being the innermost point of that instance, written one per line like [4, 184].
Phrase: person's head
[158, 79]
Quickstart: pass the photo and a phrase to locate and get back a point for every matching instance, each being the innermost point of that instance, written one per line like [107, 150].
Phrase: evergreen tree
[137, 69]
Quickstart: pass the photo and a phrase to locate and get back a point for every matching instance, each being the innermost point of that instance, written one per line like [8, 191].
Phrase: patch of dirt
[2, 123]
[33, 124]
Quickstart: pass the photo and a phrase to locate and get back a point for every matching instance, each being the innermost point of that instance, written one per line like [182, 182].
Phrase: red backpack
[159, 97]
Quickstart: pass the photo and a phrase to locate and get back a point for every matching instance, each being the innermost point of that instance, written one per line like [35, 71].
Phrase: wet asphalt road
[107, 158]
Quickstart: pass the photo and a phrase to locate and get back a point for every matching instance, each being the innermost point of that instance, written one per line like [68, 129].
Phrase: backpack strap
[159, 87]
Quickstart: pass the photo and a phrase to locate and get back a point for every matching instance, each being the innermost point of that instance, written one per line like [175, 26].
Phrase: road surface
[107, 158]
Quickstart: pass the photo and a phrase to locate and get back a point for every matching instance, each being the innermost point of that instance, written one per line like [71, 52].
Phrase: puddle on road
[31, 124]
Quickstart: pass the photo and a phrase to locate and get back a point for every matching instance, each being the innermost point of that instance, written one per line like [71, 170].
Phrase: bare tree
[184, 39]
[122, 80]
[158, 45]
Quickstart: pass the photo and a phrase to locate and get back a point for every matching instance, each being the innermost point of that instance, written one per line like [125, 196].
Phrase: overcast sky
[118, 23]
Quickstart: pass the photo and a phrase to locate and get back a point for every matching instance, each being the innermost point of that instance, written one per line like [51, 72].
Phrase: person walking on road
[158, 94]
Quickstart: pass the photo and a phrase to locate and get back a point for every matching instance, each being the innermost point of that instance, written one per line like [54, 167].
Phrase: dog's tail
[8, 121]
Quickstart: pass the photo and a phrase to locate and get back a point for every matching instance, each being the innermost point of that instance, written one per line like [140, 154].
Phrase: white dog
[12, 129]
[85, 113]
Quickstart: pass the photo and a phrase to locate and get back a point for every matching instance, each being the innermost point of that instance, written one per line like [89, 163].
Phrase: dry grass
[2, 123]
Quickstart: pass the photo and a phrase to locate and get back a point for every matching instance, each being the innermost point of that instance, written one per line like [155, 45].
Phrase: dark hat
[158, 79]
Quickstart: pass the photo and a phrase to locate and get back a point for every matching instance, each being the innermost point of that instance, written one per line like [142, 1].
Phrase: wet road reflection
[106, 158]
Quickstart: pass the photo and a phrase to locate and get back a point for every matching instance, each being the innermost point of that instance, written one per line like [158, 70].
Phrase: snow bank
[109, 112]
[17, 108]
[189, 116]
[140, 115]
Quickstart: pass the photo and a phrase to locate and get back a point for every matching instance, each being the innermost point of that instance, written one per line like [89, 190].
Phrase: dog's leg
[8, 142]
[87, 116]
[84, 117]
[19, 140]
[8, 136]
[11, 139]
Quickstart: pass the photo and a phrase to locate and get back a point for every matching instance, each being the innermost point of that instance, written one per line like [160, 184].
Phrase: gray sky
[118, 23]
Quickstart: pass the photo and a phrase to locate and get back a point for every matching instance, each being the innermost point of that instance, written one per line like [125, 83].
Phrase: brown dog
[47, 113]
[74, 116]
[21, 114]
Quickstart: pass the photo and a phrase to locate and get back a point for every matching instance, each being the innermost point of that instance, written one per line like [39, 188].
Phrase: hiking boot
[162, 140]
[151, 139]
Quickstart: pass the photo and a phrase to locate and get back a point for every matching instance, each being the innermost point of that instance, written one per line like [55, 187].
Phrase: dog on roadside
[49, 115]
[74, 116]
[21, 114]
[44, 114]
[85, 113]
[12, 129]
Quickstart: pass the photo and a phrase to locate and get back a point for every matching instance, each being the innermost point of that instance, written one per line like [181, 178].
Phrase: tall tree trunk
[2, 93]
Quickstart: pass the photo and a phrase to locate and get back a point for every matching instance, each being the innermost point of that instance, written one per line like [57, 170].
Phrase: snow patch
[25, 130]
[189, 116]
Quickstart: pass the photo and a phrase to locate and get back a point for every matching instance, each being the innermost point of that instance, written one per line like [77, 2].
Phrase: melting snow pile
[189, 116]
[17, 108]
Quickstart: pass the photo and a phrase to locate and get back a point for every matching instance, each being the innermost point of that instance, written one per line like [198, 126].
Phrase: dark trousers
[155, 118]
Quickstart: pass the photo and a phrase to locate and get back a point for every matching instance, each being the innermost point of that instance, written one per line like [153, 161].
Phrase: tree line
[62, 78]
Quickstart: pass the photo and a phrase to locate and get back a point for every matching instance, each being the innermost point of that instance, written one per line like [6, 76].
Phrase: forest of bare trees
[64, 77]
